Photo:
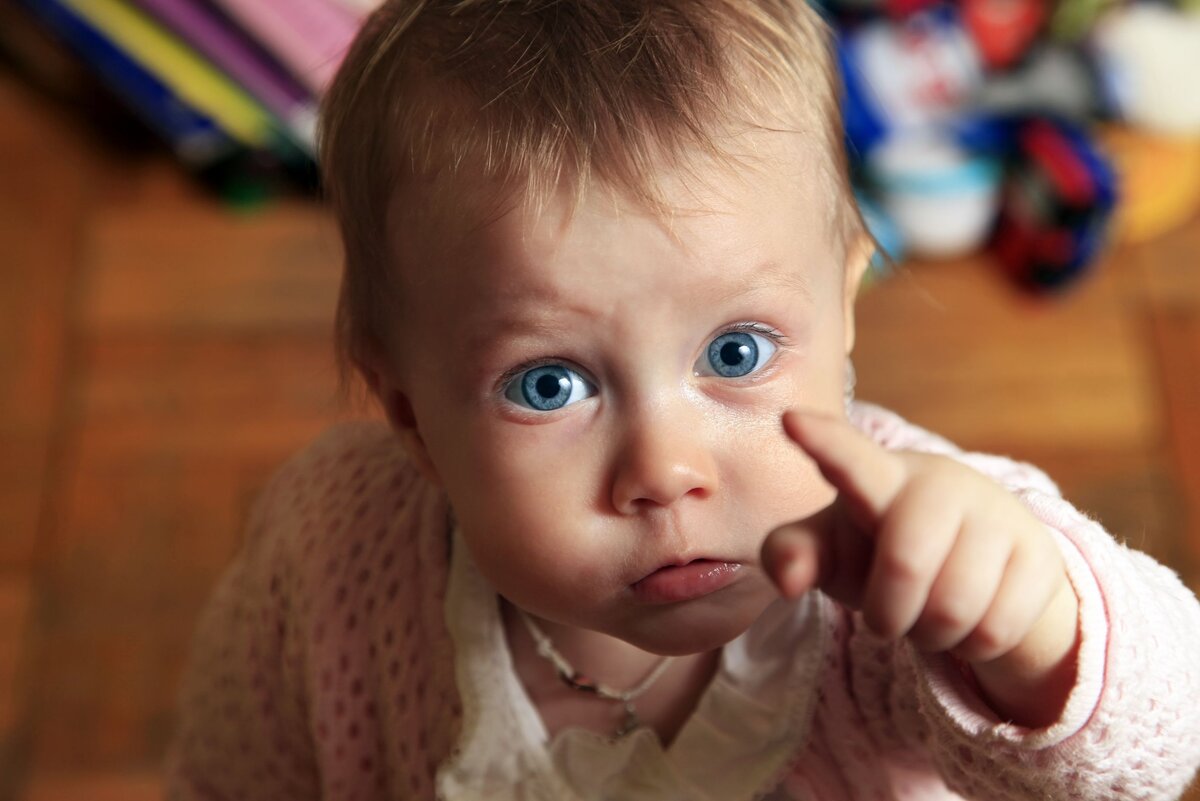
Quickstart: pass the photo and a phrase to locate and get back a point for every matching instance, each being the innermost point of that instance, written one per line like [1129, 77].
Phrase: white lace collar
[749, 724]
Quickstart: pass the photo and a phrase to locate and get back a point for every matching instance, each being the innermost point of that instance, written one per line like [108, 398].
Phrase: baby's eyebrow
[778, 276]
[486, 337]
[541, 323]
[515, 325]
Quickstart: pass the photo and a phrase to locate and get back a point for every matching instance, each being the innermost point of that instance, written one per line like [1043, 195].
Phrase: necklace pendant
[580, 682]
[631, 722]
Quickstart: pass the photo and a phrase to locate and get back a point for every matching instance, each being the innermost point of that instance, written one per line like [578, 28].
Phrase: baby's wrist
[1030, 684]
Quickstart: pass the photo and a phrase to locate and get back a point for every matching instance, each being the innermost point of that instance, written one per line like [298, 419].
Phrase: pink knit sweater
[322, 666]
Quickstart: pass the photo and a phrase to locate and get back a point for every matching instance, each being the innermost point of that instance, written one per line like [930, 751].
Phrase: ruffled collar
[749, 725]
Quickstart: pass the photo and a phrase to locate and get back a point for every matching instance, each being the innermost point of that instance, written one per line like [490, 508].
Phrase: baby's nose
[660, 465]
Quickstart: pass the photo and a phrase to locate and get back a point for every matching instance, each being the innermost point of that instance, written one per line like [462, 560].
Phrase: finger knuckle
[931, 637]
[882, 622]
[949, 613]
[902, 567]
[990, 640]
[938, 470]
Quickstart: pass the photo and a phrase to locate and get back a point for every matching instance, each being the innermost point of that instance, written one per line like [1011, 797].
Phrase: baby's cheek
[786, 485]
[542, 573]
[507, 552]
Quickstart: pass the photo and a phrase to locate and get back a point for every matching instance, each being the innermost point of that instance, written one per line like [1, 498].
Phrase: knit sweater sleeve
[1128, 729]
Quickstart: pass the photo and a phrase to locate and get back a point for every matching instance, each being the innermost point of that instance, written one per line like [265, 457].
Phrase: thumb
[824, 551]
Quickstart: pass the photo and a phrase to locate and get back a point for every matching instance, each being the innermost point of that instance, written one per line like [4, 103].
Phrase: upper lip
[681, 561]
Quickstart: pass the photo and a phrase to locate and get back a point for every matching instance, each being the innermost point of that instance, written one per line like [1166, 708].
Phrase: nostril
[650, 476]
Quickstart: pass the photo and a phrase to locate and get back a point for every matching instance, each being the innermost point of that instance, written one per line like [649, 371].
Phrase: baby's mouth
[673, 583]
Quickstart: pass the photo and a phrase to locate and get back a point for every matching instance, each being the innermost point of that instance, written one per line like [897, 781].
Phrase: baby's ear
[858, 257]
[379, 374]
[404, 422]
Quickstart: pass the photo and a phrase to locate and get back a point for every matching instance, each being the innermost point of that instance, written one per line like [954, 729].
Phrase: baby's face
[600, 399]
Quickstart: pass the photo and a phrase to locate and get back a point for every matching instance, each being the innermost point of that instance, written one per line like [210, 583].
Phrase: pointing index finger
[864, 473]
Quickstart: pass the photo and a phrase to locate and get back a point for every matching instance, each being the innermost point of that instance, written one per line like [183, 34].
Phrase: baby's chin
[696, 626]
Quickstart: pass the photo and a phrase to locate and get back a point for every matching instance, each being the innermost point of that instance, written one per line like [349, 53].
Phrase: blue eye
[735, 354]
[548, 388]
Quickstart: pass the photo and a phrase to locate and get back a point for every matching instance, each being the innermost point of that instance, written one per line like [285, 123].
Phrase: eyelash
[509, 375]
[777, 337]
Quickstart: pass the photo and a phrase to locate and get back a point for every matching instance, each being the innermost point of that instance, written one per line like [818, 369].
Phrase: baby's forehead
[779, 167]
[507, 241]
[445, 232]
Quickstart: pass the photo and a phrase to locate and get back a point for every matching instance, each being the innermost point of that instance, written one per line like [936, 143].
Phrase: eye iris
[733, 354]
[547, 388]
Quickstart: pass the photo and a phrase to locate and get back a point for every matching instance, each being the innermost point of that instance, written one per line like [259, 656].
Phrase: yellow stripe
[177, 66]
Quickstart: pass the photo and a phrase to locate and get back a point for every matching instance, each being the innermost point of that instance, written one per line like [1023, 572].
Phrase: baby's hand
[931, 550]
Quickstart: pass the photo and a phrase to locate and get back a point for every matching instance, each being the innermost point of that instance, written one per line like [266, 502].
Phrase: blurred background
[168, 276]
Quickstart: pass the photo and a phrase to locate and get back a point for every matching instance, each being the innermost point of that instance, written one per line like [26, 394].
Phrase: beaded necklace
[578, 681]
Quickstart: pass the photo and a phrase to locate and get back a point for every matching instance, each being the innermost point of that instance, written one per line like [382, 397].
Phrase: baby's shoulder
[354, 463]
[349, 490]
[343, 453]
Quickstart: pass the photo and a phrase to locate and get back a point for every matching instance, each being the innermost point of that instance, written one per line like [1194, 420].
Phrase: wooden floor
[160, 355]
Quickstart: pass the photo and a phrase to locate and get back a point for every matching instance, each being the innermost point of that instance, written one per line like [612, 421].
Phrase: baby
[627, 535]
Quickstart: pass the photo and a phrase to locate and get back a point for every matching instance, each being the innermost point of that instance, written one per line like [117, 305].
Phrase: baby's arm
[1125, 728]
[242, 730]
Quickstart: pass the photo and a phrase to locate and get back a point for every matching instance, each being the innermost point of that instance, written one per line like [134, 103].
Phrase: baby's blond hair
[532, 95]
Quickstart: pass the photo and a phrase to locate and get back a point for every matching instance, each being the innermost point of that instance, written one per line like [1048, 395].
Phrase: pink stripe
[209, 35]
[309, 36]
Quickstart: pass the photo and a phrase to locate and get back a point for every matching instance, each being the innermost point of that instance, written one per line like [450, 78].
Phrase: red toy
[1003, 29]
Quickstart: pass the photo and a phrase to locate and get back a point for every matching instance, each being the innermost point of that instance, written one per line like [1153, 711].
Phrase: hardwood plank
[45, 178]
[955, 348]
[23, 481]
[46, 175]
[1175, 330]
[132, 785]
[1132, 493]
[16, 592]
[1168, 268]
[15, 597]
[174, 439]
[203, 268]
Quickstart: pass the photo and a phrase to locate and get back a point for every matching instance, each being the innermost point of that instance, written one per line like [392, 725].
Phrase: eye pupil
[549, 386]
[734, 353]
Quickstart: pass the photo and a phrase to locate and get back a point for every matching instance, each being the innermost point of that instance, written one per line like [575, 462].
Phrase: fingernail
[795, 579]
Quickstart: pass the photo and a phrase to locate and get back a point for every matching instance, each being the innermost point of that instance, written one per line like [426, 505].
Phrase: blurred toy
[905, 76]
[1160, 181]
[896, 8]
[1149, 56]
[1052, 80]
[1073, 19]
[942, 198]
[1057, 204]
[1003, 29]
[973, 116]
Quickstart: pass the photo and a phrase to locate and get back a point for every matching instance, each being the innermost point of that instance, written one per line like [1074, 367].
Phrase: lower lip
[670, 585]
